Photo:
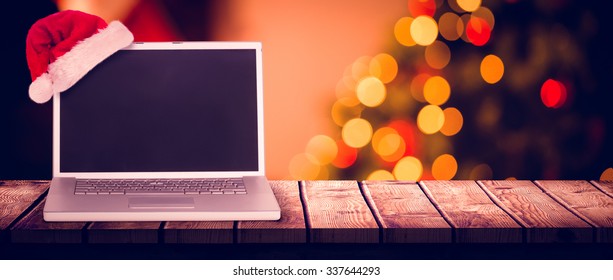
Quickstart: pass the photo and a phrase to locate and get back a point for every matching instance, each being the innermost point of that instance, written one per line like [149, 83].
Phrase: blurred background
[366, 89]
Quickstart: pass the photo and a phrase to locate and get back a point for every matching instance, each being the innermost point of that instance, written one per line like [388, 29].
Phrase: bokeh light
[417, 86]
[450, 26]
[357, 133]
[492, 69]
[371, 91]
[453, 121]
[487, 15]
[607, 175]
[322, 148]
[341, 113]
[422, 7]
[360, 68]
[304, 167]
[437, 55]
[346, 156]
[386, 142]
[481, 172]
[384, 67]
[553, 93]
[436, 90]
[478, 31]
[407, 131]
[402, 31]
[469, 5]
[424, 30]
[379, 175]
[408, 168]
[430, 119]
[444, 167]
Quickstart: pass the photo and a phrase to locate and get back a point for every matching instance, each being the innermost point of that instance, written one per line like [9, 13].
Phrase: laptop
[163, 132]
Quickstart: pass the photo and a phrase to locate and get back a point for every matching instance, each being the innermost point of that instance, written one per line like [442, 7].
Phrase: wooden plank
[336, 212]
[405, 213]
[604, 186]
[15, 198]
[585, 201]
[291, 228]
[545, 220]
[33, 229]
[199, 232]
[123, 232]
[473, 215]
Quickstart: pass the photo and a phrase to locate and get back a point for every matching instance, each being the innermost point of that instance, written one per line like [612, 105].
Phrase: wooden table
[323, 215]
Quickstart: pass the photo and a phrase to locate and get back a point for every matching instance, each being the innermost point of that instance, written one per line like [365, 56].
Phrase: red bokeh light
[346, 155]
[422, 7]
[553, 94]
[407, 131]
[478, 31]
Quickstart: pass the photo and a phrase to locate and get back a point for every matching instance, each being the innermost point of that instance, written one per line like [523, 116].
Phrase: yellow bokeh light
[485, 14]
[424, 30]
[469, 5]
[380, 175]
[402, 31]
[430, 119]
[436, 90]
[371, 91]
[386, 141]
[444, 167]
[408, 168]
[453, 121]
[322, 148]
[607, 175]
[304, 167]
[437, 55]
[357, 133]
[450, 26]
[492, 69]
[384, 67]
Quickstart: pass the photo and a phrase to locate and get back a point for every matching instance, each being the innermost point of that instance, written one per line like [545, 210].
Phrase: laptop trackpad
[161, 202]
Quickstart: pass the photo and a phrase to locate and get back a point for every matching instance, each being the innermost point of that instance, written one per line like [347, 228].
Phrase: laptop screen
[180, 110]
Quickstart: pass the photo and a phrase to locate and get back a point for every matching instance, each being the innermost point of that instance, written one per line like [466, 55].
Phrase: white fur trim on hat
[85, 55]
[41, 89]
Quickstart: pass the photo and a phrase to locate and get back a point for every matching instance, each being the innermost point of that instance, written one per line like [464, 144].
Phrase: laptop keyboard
[217, 186]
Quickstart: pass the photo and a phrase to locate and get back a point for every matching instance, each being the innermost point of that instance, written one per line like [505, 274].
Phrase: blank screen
[163, 110]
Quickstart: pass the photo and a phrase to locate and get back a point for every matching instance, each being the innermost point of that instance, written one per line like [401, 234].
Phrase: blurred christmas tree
[470, 90]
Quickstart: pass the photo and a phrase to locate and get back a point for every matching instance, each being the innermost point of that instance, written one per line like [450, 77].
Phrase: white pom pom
[41, 89]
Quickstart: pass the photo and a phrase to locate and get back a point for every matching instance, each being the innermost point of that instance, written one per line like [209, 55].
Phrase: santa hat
[63, 47]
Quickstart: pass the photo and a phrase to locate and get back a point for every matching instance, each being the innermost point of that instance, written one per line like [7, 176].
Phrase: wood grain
[15, 198]
[545, 220]
[468, 209]
[199, 232]
[336, 212]
[123, 232]
[405, 213]
[585, 201]
[604, 186]
[291, 228]
[33, 229]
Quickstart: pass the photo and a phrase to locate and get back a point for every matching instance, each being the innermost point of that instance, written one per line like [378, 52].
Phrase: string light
[444, 167]
[402, 31]
[553, 93]
[424, 30]
[408, 168]
[436, 90]
[453, 121]
[478, 31]
[357, 133]
[469, 5]
[371, 91]
[430, 119]
[491, 69]
[384, 67]
[422, 7]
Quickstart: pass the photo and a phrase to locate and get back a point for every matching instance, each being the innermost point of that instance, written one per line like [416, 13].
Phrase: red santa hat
[61, 48]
